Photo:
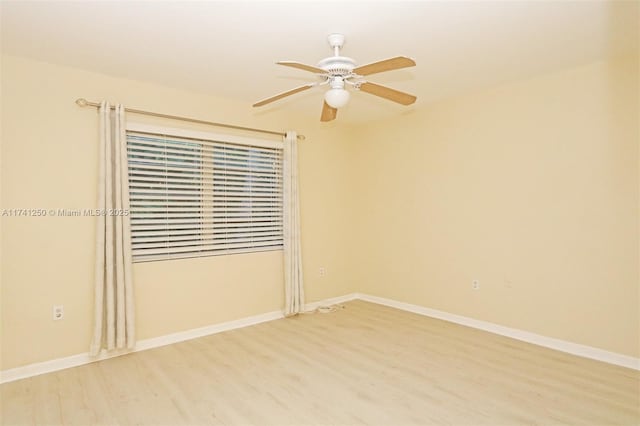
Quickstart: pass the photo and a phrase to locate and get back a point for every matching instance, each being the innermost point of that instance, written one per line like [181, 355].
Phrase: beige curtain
[293, 282]
[114, 326]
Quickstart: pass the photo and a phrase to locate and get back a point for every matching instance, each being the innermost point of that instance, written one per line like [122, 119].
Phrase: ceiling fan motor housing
[338, 65]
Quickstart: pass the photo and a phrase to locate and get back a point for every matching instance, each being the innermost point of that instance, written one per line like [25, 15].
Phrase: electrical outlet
[475, 284]
[323, 271]
[58, 312]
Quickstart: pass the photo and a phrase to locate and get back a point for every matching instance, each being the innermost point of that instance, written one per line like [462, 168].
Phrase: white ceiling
[228, 49]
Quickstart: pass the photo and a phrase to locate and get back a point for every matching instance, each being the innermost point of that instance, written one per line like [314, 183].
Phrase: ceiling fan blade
[284, 94]
[385, 65]
[302, 67]
[388, 93]
[328, 112]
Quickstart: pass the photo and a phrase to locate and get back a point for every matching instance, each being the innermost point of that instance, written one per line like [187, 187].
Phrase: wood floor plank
[365, 364]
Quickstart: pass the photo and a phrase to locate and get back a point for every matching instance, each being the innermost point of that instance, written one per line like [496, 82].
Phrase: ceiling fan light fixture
[337, 98]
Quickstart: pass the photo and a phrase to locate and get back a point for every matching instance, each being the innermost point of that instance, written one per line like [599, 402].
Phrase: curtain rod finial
[301, 137]
[81, 102]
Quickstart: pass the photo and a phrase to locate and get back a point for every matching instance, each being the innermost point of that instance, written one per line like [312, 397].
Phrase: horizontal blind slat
[204, 232]
[154, 178]
[175, 148]
[144, 157]
[151, 195]
[206, 247]
[195, 171]
[207, 242]
[204, 237]
[195, 254]
[142, 207]
[141, 137]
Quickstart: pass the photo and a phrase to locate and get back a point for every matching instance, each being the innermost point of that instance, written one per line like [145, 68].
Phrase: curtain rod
[83, 102]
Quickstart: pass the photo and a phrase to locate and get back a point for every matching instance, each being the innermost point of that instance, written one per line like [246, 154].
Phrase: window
[195, 196]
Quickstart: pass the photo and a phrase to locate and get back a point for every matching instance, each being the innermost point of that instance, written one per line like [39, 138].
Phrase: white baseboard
[560, 345]
[84, 358]
[537, 339]
[181, 336]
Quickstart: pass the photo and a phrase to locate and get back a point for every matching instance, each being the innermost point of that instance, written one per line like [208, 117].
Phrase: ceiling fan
[338, 72]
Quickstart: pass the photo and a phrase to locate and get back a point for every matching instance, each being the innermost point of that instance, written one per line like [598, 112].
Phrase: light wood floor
[365, 364]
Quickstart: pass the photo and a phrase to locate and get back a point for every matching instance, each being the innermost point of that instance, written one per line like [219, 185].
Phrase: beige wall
[531, 188]
[49, 158]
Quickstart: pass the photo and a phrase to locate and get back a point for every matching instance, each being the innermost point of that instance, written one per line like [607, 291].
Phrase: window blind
[192, 197]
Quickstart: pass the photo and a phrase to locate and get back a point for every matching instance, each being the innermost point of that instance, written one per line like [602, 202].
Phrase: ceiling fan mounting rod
[336, 41]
